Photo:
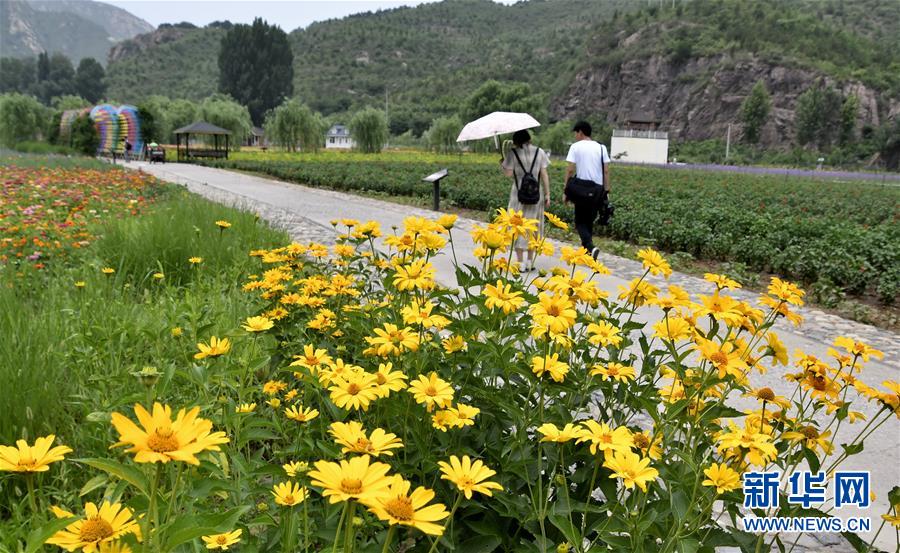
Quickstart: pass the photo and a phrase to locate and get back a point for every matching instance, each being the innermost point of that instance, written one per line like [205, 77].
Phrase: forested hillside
[690, 63]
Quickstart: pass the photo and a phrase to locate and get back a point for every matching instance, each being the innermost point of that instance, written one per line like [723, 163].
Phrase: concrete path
[306, 214]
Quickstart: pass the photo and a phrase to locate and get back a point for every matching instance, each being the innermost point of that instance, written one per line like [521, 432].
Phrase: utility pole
[728, 142]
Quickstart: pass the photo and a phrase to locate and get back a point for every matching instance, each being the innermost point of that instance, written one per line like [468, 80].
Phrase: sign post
[435, 179]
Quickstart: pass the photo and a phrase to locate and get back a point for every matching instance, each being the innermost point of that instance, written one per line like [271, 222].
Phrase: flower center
[353, 388]
[221, 540]
[430, 391]
[351, 486]
[766, 394]
[400, 508]
[719, 358]
[819, 383]
[362, 444]
[162, 440]
[553, 310]
[95, 529]
[642, 441]
[289, 499]
[466, 483]
[380, 378]
[612, 371]
[26, 461]
[810, 433]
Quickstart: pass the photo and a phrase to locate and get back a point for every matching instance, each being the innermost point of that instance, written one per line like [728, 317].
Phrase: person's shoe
[595, 253]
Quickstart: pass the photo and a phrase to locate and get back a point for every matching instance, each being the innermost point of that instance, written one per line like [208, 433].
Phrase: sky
[288, 14]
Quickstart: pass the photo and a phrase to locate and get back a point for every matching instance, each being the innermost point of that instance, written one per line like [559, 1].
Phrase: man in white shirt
[588, 160]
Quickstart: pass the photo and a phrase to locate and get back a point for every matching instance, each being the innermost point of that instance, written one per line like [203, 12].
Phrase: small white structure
[338, 136]
[640, 146]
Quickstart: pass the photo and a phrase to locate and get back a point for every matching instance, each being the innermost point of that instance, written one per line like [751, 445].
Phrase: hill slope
[690, 66]
[78, 29]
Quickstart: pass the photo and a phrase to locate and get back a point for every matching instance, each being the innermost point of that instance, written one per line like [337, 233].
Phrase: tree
[89, 80]
[223, 111]
[180, 113]
[62, 103]
[256, 66]
[85, 137]
[17, 75]
[807, 115]
[556, 138]
[293, 124]
[369, 130]
[496, 96]
[21, 118]
[849, 110]
[754, 111]
[150, 124]
[441, 136]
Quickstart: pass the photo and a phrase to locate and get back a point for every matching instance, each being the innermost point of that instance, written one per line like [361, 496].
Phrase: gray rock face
[697, 99]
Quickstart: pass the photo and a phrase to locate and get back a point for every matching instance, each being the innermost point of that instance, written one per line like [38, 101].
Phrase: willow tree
[369, 130]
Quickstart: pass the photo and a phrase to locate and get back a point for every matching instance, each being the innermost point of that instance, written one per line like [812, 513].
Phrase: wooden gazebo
[201, 128]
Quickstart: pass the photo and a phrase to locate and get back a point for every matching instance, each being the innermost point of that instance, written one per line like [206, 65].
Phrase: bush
[85, 138]
[21, 118]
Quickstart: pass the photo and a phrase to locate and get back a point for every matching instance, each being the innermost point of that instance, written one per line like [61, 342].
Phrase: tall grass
[68, 353]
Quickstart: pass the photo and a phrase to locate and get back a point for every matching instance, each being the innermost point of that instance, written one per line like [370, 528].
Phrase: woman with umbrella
[527, 164]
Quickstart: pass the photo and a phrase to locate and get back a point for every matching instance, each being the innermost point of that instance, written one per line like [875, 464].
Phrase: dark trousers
[585, 214]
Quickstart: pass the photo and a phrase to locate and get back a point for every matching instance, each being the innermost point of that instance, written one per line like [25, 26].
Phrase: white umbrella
[493, 124]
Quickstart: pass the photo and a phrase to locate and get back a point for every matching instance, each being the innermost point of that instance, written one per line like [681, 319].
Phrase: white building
[640, 146]
[338, 136]
[640, 141]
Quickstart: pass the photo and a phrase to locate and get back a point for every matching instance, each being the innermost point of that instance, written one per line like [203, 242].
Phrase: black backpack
[528, 188]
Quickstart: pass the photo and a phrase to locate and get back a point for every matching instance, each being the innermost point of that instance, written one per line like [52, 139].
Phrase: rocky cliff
[699, 98]
[144, 42]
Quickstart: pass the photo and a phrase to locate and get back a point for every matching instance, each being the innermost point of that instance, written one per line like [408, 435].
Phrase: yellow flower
[352, 437]
[418, 275]
[469, 476]
[389, 380]
[223, 224]
[108, 271]
[257, 324]
[355, 391]
[638, 292]
[162, 439]
[80, 284]
[195, 260]
[786, 291]
[603, 438]
[431, 391]
[747, 444]
[176, 331]
[215, 348]
[811, 439]
[857, 348]
[673, 329]
[502, 296]
[631, 468]
[647, 445]
[311, 358]
[222, 541]
[397, 506]
[654, 262]
[357, 478]
[447, 221]
[724, 357]
[99, 526]
[893, 519]
[775, 347]
[299, 414]
[289, 494]
[614, 371]
[721, 282]
[722, 478]
[35, 458]
[272, 387]
[515, 222]
[294, 468]
[556, 221]
[604, 334]
[421, 314]
[551, 365]
[159, 276]
[245, 408]
[392, 340]
[454, 343]
[553, 434]
[553, 313]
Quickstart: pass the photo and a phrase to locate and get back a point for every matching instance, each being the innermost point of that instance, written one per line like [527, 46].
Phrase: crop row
[845, 235]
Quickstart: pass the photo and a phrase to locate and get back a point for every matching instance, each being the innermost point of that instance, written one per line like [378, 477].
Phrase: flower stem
[449, 520]
[337, 533]
[29, 482]
[387, 541]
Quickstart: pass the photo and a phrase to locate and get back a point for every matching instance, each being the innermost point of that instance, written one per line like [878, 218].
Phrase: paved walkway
[305, 213]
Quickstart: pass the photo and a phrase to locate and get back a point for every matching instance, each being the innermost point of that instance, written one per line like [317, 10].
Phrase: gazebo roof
[202, 127]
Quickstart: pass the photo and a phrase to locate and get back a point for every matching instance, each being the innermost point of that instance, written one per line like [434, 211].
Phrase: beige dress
[536, 211]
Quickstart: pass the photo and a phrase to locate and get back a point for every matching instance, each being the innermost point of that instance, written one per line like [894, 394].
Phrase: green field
[834, 234]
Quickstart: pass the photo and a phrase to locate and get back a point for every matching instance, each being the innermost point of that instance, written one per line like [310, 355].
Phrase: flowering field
[355, 404]
[46, 212]
[840, 235]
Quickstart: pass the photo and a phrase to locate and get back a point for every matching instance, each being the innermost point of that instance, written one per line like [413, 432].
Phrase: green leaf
[858, 544]
[480, 544]
[894, 495]
[688, 545]
[191, 527]
[93, 484]
[852, 449]
[129, 474]
[812, 459]
[39, 535]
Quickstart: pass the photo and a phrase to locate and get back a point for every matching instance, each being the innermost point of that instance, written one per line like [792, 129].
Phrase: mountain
[688, 63]
[77, 28]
